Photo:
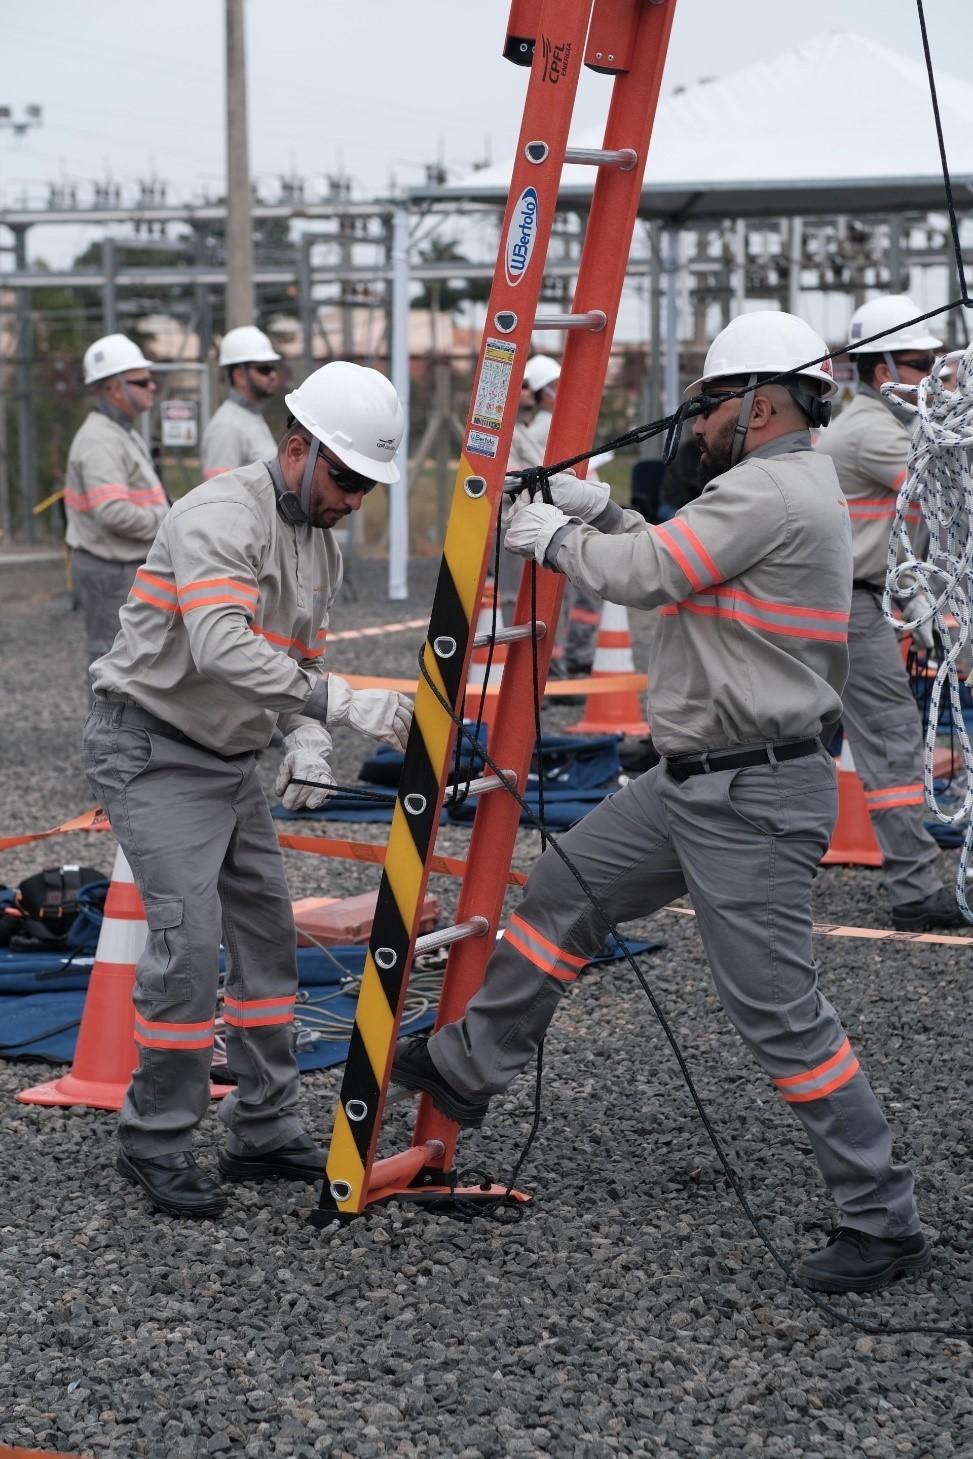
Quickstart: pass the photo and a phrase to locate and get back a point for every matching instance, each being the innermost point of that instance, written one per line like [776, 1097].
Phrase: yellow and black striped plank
[411, 844]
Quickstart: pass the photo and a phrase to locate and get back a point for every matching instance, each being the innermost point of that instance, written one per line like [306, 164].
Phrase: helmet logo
[386, 444]
[828, 367]
[521, 235]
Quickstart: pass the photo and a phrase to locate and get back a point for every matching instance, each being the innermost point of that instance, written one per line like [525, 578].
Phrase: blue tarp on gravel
[42, 997]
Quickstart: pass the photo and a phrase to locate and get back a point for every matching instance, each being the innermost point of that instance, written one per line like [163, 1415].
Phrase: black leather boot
[854, 1261]
[174, 1183]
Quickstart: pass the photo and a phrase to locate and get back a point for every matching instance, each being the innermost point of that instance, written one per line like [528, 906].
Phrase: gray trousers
[745, 845]
[884, 729]
[101, 589]
[197, 832]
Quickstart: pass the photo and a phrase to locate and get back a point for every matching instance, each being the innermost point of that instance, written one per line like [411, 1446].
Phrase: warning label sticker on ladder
[493, 385]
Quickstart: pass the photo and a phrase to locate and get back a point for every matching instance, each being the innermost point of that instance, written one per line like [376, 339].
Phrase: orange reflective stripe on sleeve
[681, 541]
[304, 650]
[173, 1035]
[212, 592]
[155, 590]
[114, 491]
[258, 1012]
[545, 955]
[823, 1079]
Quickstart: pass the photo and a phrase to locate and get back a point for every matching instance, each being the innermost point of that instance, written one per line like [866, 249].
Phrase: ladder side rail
[518, 277]
[601, 275]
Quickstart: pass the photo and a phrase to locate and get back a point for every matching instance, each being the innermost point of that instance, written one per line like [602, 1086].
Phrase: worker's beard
[715, 457]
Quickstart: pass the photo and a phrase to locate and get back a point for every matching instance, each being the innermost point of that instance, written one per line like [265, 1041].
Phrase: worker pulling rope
[935, 589]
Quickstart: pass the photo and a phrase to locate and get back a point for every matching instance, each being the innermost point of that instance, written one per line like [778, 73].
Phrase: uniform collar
[246, 402]
[114, 414]
[870, 393]
[782, 446]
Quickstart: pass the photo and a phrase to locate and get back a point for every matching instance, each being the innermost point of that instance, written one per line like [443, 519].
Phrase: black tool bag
[45, 907]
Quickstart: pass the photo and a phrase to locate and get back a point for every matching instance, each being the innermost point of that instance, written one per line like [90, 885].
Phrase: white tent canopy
[839, 124]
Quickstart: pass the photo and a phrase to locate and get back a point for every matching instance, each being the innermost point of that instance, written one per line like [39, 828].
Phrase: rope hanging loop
[935, 586]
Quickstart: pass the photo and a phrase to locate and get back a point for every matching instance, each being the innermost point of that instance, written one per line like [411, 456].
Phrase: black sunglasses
[264, 369]
[924, 364]
[346, 480]
[145, 384]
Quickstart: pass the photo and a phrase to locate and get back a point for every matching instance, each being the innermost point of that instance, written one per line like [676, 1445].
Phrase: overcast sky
[378, 87]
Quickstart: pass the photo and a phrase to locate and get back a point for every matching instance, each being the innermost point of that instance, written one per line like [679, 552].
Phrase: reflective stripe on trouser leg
[621, 850]
[177, 812]
[884, 731]
[749, 841]
[261, 983]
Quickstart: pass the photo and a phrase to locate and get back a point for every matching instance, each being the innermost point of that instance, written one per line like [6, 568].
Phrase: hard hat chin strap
[309, 465]
[743, 422]
[133, 404]
[893, 368]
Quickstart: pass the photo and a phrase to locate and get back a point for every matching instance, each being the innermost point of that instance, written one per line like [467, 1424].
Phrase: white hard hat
[356, 413]
[888, 314]
[112, 355]
[541, 371]
[247, 345]
[767, 342]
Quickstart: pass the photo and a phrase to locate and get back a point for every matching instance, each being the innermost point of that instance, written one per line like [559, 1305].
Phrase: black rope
[947, 181]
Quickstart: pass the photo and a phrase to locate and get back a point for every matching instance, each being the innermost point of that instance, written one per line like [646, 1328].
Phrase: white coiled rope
[939, 482]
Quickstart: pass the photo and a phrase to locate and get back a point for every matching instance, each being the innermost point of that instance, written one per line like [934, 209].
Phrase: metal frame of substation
[667, 215]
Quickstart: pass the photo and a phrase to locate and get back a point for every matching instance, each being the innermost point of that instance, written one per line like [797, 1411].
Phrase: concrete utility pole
[239, 231]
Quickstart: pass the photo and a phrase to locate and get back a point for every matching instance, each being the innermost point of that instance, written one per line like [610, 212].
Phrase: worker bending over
[237, 434]
[752, 583]
[221, 641]
[869, 446]
[113, 499]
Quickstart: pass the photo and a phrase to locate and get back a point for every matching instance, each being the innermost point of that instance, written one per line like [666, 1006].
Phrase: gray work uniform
[114, 502]
[221, 640]
[870, 449]
[753, 586]
[236, 435]
[577, 629]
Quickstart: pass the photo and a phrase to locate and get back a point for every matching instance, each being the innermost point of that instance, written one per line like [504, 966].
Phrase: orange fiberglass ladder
[626, 39]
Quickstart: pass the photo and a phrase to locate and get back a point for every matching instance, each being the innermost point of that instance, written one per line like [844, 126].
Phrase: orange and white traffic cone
[612, 712]
[476, 682]
[105, 1056]
[853, 840]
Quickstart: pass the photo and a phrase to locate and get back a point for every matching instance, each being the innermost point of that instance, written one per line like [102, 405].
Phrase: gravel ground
[632, 1312]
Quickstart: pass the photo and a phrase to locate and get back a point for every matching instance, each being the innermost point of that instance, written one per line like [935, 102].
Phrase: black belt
[133, 713]
[680, 767]
[860, 586]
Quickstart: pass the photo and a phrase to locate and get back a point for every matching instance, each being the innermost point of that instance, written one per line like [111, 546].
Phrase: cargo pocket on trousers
[160, 979]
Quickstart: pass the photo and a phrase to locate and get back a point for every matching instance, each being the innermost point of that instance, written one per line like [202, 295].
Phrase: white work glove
[917, 606]
[576, 498]
[306, 757]
[382, 713]
[531, 527]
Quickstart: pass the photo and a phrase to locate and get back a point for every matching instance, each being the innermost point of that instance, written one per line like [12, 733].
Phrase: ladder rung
[595, 320]
[443, 936]
[510, 635]
[485, 783]
[624, 158]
